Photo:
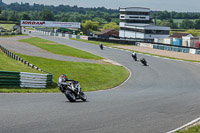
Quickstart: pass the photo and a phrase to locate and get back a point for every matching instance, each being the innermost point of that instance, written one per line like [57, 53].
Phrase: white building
[135, 22]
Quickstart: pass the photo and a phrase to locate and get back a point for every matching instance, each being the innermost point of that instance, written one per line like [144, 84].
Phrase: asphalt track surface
[156, 99]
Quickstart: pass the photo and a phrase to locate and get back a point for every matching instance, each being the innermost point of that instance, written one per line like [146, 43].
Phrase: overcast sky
[159, 5]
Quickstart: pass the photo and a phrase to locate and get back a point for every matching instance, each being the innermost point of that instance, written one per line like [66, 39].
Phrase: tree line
[185, 24]
[163, 15]
[97, 16]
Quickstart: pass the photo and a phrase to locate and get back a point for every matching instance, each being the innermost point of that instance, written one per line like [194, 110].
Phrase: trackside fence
[24, 79]
[128, 41]
[16, 57]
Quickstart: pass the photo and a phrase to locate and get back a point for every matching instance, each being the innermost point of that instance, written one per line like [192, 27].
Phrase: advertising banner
[32, 23]
[84, 37]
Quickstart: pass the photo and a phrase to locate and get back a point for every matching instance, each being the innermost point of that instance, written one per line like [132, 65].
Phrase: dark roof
[179, 35]
[135, 7]
[107, 30]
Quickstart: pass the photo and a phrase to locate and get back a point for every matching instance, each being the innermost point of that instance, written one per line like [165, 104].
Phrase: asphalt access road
[156, 99]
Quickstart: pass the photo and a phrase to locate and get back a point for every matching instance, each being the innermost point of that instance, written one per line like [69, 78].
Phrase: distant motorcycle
[134, 55]
[101, 46]
[71, 89]
[143, 61]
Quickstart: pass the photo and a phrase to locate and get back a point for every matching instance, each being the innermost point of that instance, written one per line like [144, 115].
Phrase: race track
[156, 99]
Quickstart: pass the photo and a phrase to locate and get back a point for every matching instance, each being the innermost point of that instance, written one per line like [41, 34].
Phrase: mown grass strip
[7, 26]
[60, 48]
[91, 76]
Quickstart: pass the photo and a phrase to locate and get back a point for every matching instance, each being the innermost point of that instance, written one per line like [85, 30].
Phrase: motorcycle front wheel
[83, 97]
[70, 96]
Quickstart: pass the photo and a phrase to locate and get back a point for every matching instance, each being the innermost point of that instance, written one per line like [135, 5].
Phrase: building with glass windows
[136, 22]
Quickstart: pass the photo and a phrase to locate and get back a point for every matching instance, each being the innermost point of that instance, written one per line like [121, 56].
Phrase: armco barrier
[16, 57]
[24, 79]
[197, 51]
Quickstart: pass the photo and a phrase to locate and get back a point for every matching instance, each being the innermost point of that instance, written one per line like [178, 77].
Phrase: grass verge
[7, 26]
[91, 76]
[195, 129]
[61, 49]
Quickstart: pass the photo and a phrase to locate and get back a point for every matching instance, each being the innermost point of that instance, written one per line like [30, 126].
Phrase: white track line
[186, 125]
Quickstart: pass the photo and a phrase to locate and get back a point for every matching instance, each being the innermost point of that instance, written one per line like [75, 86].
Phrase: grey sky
[169, 5]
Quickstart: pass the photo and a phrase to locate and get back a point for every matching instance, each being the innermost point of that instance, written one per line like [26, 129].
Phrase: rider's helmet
[63, 77]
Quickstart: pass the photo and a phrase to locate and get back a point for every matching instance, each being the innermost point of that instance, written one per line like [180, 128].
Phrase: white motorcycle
[71, 89]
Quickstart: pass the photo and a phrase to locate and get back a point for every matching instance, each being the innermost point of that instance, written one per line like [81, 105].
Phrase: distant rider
[101, 46]
[134, 55]
[143, 61]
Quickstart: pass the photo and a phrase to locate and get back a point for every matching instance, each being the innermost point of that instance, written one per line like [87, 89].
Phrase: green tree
[193, 32]
[111, 25]
[197, 24]
[115, 20]
[3, 18]
[34, 15]
[46, 15]
[100, 20]
[90, 25]
[12, 16]
[187, 24]
[170, 23]
[25, 16]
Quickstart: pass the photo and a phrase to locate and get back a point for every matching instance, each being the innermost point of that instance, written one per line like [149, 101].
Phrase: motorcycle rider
[101, 46]
[62, 80]
[144, 62]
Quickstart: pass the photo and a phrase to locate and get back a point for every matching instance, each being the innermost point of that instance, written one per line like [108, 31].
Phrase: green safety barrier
[24, 79]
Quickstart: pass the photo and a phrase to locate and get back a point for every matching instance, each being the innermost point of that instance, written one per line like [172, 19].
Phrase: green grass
[60, 48]
[195, 129]
[91, 76]
[7, 26]
[29, 28]
[8, 64]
